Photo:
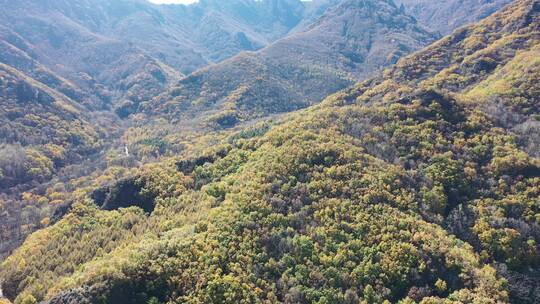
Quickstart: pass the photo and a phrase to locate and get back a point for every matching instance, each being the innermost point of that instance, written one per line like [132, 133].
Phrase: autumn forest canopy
[274, 151]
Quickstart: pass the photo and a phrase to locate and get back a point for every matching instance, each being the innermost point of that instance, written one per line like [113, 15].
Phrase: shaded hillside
[349, 42]
[41, 131]
[413, 187]
[34, 116]
[446, 15]
[19, 54]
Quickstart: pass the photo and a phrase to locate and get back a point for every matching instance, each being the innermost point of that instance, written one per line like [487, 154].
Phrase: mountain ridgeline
[420, 184]
[351, 41]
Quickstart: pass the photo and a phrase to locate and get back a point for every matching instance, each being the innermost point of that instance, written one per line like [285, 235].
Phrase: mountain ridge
[328, 58]
[445, 16]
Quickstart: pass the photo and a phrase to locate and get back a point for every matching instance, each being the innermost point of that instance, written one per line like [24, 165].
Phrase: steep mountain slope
[47, 123]
[446, 15]
[314, 10]
[68, 64]
[349, 42]
[412, 187]
[34, 115]
[41, 131]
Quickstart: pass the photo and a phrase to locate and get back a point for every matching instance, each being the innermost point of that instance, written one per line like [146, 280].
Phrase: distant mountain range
[350, 42]
[133, 49]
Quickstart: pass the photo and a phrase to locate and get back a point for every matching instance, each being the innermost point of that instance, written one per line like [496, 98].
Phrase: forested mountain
[41, 130]
[351, 41]
[128, 50]
[103, 58]
[71, 69]
[446, 15]
[420, 185]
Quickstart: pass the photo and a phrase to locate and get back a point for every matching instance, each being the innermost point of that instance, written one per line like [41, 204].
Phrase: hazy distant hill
[349, 42]
[118, 50]
[446, 15]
